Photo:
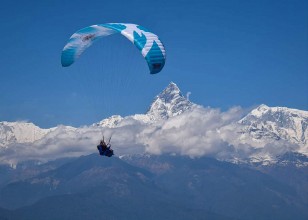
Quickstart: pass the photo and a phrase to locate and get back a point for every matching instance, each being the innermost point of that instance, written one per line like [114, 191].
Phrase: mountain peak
[111, 122]
[277, 123]
[260, 110]
[168, 103]
[173, 86]
[170, 92]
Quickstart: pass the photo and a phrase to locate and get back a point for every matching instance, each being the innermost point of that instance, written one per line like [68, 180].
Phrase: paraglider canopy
[147, 42]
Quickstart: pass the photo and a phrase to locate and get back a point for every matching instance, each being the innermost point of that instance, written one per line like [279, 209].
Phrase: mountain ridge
[194, 188]
[262, 126]
[277, 123]
[170, 102]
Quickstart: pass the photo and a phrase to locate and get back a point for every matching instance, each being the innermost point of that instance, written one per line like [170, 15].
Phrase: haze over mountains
[152, 187]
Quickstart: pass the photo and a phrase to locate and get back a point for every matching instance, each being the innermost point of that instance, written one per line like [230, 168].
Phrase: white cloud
[188, 95]
[202, 131]
[194, 133]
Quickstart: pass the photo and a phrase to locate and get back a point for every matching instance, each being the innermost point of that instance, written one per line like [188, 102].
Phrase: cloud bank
[199, 132]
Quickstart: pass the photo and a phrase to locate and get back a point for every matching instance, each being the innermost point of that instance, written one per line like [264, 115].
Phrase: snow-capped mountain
[20, 132]
[170, 102]
[110, 122]
[279, 128]
[276, 123]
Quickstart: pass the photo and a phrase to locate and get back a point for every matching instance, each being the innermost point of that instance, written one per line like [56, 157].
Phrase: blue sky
[226, 53]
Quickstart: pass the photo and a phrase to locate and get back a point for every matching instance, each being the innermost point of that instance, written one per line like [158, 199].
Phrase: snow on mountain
[170, 102]
[261, 135]
[20, 132]
[119, 121]
[110, 122]
[276, 123]
[269, 132]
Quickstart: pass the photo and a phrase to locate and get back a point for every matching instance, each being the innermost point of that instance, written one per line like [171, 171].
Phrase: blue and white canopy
[148, 43]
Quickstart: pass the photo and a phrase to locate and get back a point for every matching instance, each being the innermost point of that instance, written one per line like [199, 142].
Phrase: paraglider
[147, 42]
[105, 149]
